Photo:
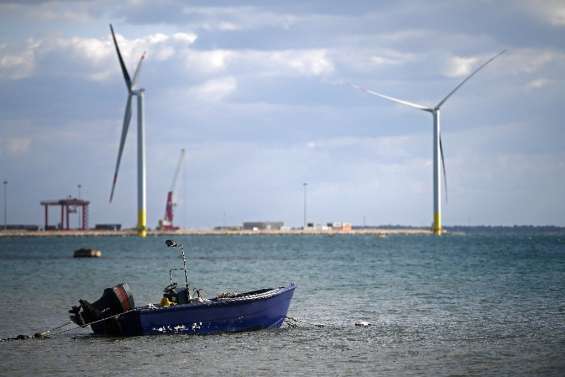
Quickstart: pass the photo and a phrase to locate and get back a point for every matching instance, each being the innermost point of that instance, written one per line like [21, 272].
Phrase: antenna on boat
[171, 243]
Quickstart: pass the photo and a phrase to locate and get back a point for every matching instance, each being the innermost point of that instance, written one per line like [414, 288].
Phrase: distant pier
[382, 232]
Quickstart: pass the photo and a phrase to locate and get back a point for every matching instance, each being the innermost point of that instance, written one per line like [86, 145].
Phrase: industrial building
[263, 225]
[114, 227]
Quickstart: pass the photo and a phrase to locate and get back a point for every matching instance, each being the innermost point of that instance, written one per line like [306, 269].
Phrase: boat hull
[247, 312]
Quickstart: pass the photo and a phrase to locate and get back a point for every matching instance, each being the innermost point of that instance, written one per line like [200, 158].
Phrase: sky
[255, 92]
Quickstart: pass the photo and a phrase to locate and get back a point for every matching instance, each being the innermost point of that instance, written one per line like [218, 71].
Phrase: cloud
[20, 64]
[56, 11]
[313, 62]
[188, 38]
[538, 83]
[383, 148]
[210, 61]
[362, 60]
[273, 182]
[316, 62]
[215, 89]
[153, 43]
[551, 11]
[458, 66]
[531, 60]
[392, 57]
[15, 146]
[89, 49]
[164, 53]
[526, 64]
[94, 58]
[237, 18]
[91, 58]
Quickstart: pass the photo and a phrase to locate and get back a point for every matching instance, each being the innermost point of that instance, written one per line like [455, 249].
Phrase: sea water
[472, 303]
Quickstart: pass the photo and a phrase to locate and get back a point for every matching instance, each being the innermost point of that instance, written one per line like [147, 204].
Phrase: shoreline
[382, 232]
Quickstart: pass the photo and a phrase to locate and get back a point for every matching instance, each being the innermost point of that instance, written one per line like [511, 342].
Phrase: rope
[95, 322]
[295, 323]
[57, 327]
[41, 334]
[52, 331]
[291, 322]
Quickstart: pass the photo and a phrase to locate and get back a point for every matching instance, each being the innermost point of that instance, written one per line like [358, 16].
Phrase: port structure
[167, 222]
[67, 206]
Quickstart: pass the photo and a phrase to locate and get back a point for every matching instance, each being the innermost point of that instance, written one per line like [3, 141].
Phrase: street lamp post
[5, 205]
[305, 190]
[79, 186]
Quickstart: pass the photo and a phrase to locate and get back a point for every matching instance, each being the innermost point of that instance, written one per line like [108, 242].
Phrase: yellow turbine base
[437, 229]
[142, 223]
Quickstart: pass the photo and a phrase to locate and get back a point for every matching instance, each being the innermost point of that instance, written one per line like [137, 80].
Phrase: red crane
[167, 222]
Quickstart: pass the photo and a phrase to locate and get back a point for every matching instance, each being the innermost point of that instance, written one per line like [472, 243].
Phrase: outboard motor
[114, 301]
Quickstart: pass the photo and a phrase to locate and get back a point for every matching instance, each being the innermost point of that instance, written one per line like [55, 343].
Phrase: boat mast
[171, 243]
[185, 273]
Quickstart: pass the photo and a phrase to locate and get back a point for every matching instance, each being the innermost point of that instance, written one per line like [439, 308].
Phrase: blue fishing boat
[181, 312]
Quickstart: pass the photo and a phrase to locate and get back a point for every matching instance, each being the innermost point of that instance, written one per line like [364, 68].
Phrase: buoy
[87, 253]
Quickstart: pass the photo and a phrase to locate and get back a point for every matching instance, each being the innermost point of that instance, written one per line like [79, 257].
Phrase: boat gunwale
[239, 299]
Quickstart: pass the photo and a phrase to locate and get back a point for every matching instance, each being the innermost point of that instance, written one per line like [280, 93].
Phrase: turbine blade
[127, 118]
[136, 74]
[443, 166]
[468, 77]
[402, 102]
[122, 65]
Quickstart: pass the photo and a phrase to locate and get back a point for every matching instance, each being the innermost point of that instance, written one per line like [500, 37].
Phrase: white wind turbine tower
[438, 148]
[141, 173]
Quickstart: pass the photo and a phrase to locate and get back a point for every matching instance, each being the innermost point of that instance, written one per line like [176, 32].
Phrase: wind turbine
[141, 173]
[438, 148]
